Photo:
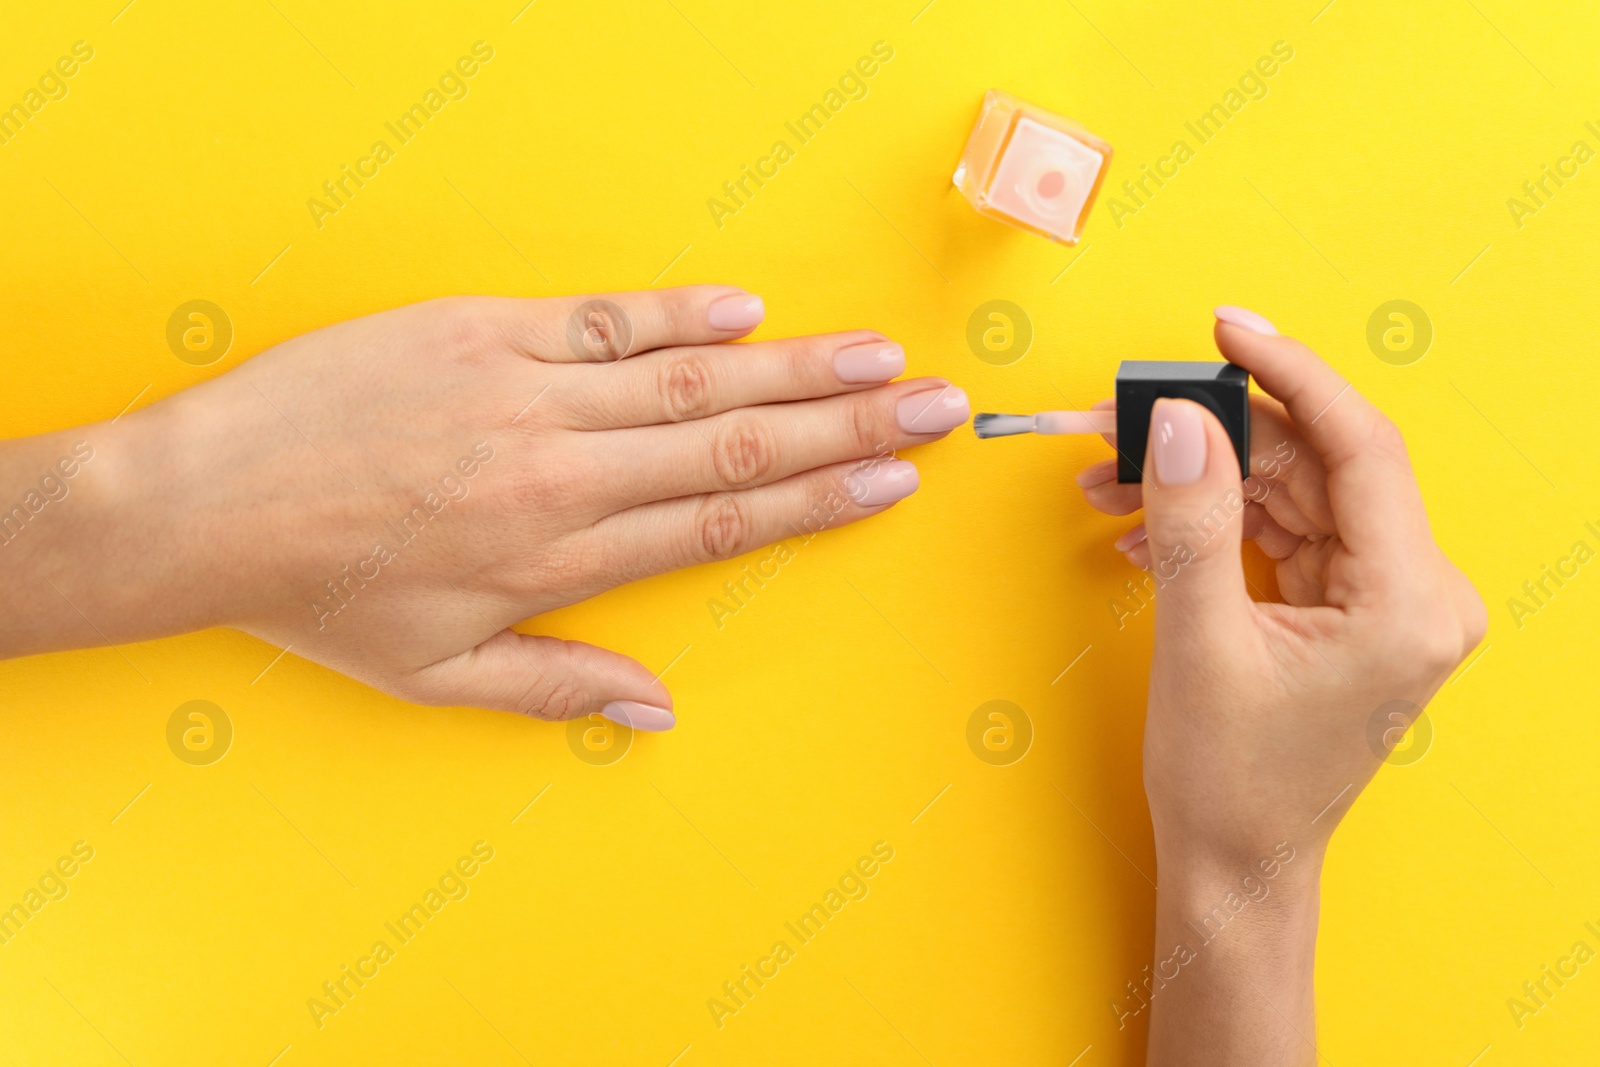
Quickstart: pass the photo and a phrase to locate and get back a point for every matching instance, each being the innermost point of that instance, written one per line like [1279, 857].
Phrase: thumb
[546, 678]
[1193, 515]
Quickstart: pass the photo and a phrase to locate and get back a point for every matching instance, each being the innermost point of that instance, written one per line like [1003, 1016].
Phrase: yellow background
[828, 713]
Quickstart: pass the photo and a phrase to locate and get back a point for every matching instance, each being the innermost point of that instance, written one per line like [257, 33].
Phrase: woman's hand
[387, 496]
[1260, 728]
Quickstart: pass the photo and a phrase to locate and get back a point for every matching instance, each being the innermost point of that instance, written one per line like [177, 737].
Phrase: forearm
[93, 547]
[1232, 980]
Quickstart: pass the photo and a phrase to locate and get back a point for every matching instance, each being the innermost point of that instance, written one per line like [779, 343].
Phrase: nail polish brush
[1221, 388]
[1047, 422]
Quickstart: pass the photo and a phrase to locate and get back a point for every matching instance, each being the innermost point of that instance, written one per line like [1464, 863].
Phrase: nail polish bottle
[1032, 168]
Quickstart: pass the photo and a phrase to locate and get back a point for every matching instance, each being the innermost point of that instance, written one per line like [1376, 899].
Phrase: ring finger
[665, 535]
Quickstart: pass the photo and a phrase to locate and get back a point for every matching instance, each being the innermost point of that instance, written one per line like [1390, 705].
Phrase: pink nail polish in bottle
[1032, 168]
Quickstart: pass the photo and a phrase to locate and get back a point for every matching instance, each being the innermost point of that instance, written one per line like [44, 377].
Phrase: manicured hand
[388, 496]
[1374, 611]
[1259, 733]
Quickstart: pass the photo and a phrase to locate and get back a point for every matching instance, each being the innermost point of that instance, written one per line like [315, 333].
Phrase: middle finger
[695, 382]
[753, 446]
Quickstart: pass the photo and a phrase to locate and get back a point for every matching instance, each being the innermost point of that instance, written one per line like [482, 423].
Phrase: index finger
[606, 327]
[1372, 491]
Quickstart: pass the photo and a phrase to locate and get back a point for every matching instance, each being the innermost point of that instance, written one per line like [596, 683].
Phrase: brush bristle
[990, 424]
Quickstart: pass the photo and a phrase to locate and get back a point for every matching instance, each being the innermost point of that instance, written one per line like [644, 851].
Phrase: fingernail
[637, 716]
[1132, 537]
[882, 483]
[933, 410]
[736, 311]
[871, 361]
[1245, 319]
[1180, 442]
[1099, 474]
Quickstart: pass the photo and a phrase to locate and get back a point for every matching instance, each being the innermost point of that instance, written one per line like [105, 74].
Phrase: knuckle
[565, 563]
[721, 527]
[680, 315]
[549, 488]
[743, 452]
[864, 426]
[685, 386]
[1442, 647]
[800, 359]
[1440, 643]
[1428, 644]
[464, 328]
[600, 332]
[1387, 438]
[825, 500]
[553, 701]
[1195, 530]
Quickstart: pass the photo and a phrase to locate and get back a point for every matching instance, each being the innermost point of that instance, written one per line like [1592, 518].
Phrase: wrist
[1257, 919]
[94, 552]
[1235, 950]
[52, 504]
[165, 563]
[1200, 869]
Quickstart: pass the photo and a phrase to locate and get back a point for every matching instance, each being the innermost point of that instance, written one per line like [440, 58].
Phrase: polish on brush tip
[1047, 422]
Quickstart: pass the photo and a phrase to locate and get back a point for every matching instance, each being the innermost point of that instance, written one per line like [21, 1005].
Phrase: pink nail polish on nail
[1180, 442]
[876, 484]
[1245, 319]
[639, 716]
[1099, 474]
[933, 410]
[871, 361]
[1133, 537]
[736, 311]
